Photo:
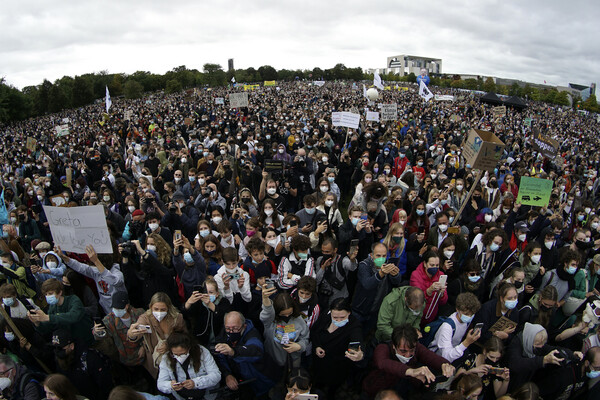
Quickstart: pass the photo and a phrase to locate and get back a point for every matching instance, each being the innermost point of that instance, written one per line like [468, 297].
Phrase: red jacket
[399, 166]
[420, 279]
[388, 369]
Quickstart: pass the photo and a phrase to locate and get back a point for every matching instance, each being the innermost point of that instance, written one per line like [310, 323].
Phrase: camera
[128, 249]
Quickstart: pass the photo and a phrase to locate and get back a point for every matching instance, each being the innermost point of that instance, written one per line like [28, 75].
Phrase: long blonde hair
[389, 242]
[163, 250]
[162, 297]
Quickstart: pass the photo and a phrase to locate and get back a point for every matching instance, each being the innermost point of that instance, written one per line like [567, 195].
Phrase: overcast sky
[533, 40]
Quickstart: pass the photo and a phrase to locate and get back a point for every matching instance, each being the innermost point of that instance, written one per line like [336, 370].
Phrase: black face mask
[60, 353]
[477, 198]
[546, 308]
[234, 337]
[518, 285]
[22, 217]
[492, 363]
[285, 319]
[245, 200]
[397, 203]
[582, 245]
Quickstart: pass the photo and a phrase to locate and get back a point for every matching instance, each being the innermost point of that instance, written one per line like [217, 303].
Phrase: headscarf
[529, 333]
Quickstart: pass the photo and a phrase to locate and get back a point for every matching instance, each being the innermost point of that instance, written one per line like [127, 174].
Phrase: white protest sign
[373, 116]
[73, 228]
[66, 120]
[237, 100]
[319, 83]
[62, 130]
[219, 100]
[344, 118]
[443, 97]
[424, 91]
[128, 115]
[389, 112]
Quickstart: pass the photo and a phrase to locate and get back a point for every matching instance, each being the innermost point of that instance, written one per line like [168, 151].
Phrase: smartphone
[199, 288]
[234, 276]
[364, 217]
[443, 279]
[177, 235]
[354, 346]
[98, 321]
[393, 260]
[28, 306]
[293, 223]
[495, 371]
[307, 396]
[146, 327]
[270, 284]
[479, 326]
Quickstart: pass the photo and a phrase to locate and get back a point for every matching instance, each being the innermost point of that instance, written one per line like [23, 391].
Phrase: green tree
[471, 84]
[591, 104]
[411, 78]
[215, 76]
[562, 98]
[83, 91]
[267, 73]
[133, 89]
[173, 86]
[515, 89]
[489, 85]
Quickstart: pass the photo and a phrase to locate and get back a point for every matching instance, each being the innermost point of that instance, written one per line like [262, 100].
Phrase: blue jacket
[371, 288]
[249, 360]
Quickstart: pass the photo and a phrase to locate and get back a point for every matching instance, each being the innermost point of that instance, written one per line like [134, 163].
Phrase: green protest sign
[534, 191]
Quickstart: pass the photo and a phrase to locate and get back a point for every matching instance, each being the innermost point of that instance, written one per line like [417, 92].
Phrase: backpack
[431, 329]
[32, 376]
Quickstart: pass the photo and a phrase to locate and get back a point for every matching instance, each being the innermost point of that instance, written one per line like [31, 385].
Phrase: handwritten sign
[502, 324]
[499, 112]
[219, 100]
[237, 100]
[389, 112]
[534, 191]
[62, 130]
[344, 118]
[76, 227]
[31, 144]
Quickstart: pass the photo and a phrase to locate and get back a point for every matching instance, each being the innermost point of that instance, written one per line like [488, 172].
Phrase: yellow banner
[402, 88]
[251, 87]
[387, 88]
[270, 83]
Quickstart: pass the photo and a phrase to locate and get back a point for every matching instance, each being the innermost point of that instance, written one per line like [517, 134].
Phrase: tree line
[72, 92]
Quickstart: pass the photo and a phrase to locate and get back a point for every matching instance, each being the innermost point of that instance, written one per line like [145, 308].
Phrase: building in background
[405, 64]
[230, 64]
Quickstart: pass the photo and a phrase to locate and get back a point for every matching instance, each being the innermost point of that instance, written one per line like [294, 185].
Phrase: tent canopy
[515, 102]
[491, 98]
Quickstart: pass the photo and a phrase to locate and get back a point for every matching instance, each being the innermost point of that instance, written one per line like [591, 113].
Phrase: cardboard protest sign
[31, 144]
[545, 145]
[237, 100]
[128, 115]
[187, 121]
[502, 324]
[389, 112]
[344, 118]
[219, 100]
[528, 122]
[534, 191]
[372, 116]
[69, 172]
[76, 227]
[482, 149]
[499, 112]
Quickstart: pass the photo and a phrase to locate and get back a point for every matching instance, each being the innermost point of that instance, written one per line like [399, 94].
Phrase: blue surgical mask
[9, 336]
[204, 232]
[474, 279]
[420, 212]
[571, 270]
[339, 324]
[494, 247]
[51, 299]
[302, 256]
[310, 211]
[580, 218]
[589, 374]
[510, 304]
[212, 298]
[355, 221]
[188, 258]
[8, 301]
[119, 312]
[465, 319]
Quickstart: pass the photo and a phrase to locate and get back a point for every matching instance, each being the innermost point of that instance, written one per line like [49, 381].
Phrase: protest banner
[499, 112]
[482, 150]
[344, 118]
[373, 116]
[443, 97]
[75, 228]
[534, 191]
[62, 130]
[319, 83]
[237, 100]
[424, 91]
[251, 87]
[31, 144]
[545, 145]
[66, 120]
[219, 100]
[270, 83]
[389, 112]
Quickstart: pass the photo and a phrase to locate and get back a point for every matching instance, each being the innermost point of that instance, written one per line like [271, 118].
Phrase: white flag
[365, 92]
[377, 82]
[424, 91]
[233, 79]
[108, 101]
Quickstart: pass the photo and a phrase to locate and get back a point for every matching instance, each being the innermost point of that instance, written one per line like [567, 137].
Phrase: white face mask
[151, 247]
[549, 245]
[459, 187]
[272, 242]
[402, 359]
[131, 208]
[181, 358]
[269, 212]
[324, 189]
[153, 226]
[51, 264]
[522, 237]
[443, 228]
[159, 315]
[303, 300]
[536, 259]
[216, 220]
[448, 253]
[488, 217]
[272, 191]
[328, 203]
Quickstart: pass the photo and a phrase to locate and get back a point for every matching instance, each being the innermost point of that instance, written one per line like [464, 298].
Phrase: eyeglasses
[474, 273]
[233, 329]
[5, 373]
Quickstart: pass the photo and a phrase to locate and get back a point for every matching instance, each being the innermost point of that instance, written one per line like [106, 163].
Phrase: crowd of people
[264, 253]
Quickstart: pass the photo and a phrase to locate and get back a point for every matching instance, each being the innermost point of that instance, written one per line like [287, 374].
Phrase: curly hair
[163, 250]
